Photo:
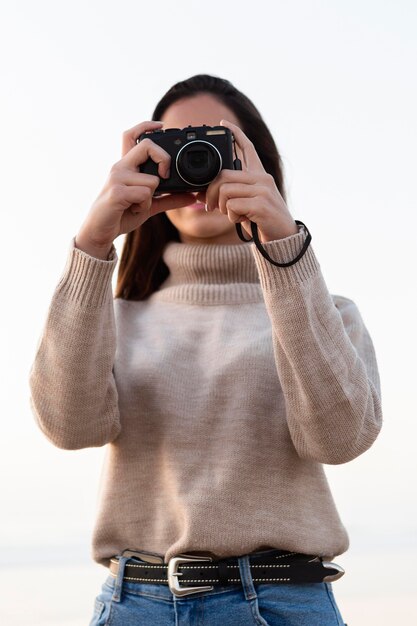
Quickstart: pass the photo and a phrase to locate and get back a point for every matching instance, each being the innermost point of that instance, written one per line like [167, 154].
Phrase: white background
[335, 82]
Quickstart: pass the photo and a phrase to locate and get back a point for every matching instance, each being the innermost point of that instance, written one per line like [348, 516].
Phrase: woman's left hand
[250, 194]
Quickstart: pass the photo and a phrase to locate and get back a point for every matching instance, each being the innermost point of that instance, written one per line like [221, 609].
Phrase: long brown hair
[141, 268]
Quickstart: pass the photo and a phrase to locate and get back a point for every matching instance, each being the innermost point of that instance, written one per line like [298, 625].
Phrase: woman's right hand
[126, 200]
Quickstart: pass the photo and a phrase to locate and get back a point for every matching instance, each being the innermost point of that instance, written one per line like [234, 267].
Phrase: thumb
[246, 227]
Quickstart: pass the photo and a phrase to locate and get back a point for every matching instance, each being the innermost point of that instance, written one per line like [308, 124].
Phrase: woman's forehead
[196, 111]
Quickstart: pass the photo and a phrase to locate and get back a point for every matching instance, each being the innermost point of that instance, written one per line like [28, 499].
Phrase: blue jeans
[124, 603]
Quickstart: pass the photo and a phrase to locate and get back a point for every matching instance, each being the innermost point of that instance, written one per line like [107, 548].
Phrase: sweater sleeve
[73, 394]
[324, 357]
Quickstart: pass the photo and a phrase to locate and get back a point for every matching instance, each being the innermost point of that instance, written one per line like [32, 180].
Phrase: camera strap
[255, 237]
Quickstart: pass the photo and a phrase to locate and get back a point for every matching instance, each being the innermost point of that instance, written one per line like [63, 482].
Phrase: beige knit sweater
[220, 398]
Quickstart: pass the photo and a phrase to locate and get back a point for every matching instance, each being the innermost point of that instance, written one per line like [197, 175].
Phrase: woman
[221, 383]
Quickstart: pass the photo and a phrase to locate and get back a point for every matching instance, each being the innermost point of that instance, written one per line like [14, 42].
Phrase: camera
[198, 154]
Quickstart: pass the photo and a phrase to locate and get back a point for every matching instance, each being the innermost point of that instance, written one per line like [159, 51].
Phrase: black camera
[198, 154]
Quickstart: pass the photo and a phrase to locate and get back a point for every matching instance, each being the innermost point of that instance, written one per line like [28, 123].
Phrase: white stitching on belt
[231, 580]
[283, 556]
[199, 567]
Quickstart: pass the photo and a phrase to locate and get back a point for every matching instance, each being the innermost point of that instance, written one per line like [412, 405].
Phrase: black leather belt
[272, 566]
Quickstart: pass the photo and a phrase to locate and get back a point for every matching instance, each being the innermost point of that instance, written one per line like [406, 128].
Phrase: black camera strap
[254, 228]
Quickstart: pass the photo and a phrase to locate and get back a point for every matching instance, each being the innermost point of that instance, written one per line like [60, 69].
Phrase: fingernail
[206, 207]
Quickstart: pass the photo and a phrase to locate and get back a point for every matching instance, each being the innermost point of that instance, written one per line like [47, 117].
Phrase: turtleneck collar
[210, 274]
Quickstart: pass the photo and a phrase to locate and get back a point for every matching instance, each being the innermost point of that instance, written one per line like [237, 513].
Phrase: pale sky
[335, 82]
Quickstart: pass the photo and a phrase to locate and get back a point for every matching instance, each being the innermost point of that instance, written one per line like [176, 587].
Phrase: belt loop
[119, 578]
[246, 576]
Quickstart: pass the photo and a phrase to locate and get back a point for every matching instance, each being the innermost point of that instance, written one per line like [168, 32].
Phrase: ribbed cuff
[282, 251]
[86, 279]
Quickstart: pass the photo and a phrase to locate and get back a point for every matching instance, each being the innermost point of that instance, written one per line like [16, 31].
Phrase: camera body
[198, 154]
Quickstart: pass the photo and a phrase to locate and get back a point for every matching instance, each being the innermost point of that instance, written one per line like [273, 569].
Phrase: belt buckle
[173, 574]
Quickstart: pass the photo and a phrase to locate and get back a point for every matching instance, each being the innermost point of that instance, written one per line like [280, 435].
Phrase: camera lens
[197, 159]
[198, 163]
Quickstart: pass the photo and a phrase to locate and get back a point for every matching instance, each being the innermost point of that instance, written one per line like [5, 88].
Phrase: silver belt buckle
[173, 574]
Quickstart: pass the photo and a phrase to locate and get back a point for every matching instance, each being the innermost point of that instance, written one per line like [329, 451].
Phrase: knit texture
[220, 398]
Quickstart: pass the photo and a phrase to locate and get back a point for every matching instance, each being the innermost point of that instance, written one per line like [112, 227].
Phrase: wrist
[102, 251]
[278, 234]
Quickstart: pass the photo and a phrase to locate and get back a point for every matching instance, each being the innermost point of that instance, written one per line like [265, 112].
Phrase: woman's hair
[141, 268]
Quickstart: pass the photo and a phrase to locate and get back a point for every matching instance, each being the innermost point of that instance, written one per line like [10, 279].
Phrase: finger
[212, 191]
[141, 152]
[129, 136]
[228, 191]
[136, 179]
[235, 218]
[246, 225]
[171, 201]
[138, 197]
[250, 156]
[244, 208]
